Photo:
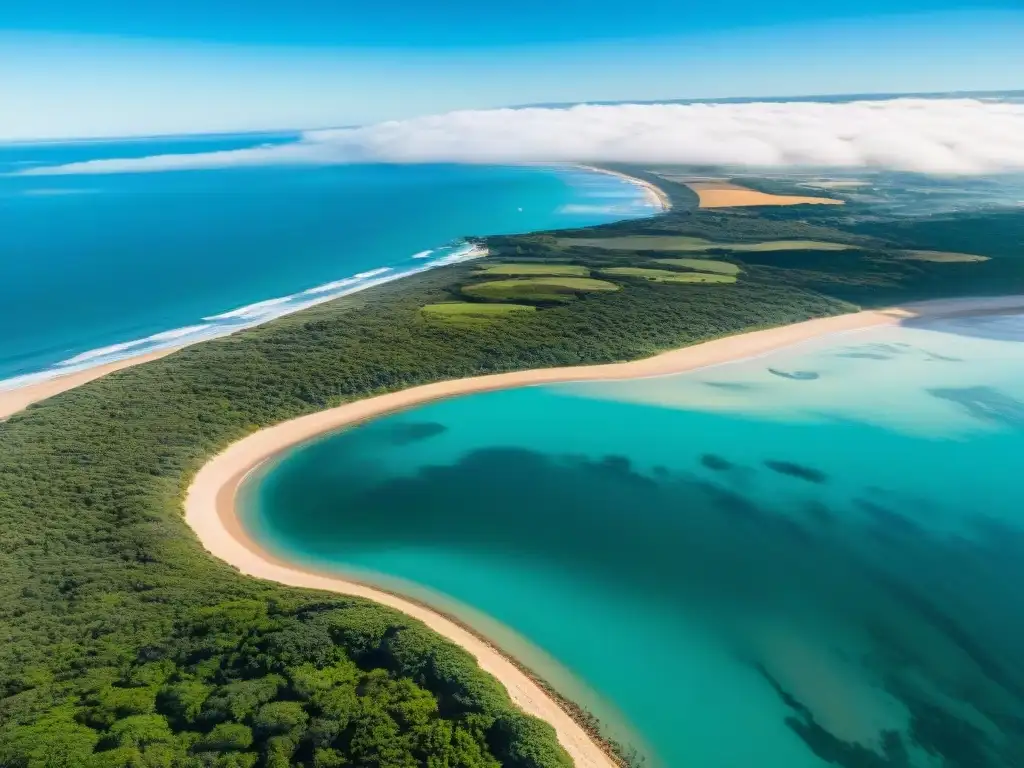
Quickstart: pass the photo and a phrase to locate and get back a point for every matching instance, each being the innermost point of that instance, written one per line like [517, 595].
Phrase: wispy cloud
[959, 136]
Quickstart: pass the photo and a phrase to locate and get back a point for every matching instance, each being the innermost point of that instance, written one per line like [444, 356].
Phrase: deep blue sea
[99, 266]
[809, 559]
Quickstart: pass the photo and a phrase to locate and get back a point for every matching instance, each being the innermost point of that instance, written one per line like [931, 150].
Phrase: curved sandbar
[210, 503]
[654, 194]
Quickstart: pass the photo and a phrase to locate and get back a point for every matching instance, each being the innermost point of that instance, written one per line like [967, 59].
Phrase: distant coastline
[19, 392]
[654, 194]
[211, 511]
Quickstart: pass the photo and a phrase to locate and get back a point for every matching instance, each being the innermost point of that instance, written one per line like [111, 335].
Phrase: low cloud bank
[942, 136]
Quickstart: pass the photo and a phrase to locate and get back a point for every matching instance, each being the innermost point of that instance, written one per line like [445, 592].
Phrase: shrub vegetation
[122, 643]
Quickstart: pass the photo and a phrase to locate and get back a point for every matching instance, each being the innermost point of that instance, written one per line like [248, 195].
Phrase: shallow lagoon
[805, 559]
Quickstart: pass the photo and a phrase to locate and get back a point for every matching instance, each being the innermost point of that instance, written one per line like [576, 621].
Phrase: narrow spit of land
[18, 398]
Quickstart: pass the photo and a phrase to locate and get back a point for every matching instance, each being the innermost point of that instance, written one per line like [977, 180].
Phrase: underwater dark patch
[694, 538]
[716, 463]
[795, 375]
[830, 748]
[406, 433]
[961, 744]
[799, 471]
[819, 513]
[954, 630]
[733, 386]
[984, 403]
[893, 522]
[864, 355]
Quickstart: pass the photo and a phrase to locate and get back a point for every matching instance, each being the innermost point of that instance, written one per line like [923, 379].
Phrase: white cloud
[959, 136]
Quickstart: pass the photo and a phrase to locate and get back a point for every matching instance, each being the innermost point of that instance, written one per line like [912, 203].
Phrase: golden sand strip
[211, 511]
[19, 398]
[717, 194]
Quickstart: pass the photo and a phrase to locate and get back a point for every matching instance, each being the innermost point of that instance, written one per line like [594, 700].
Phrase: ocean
[807, 559]
[95, 267]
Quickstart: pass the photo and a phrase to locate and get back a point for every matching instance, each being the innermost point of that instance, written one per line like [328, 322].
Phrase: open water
[807, 559]
[97, 265]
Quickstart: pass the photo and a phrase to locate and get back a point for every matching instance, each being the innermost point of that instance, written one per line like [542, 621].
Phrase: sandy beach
[210, 504]
[14, 399]
[655, 194]
[19, 398]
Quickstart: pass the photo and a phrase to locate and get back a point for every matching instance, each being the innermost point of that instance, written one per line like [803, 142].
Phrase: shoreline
[51, 381]
[652, 192]
[210, 508]
[17, 399]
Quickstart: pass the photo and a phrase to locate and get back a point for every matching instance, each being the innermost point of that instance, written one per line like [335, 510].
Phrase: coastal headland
[99, 473]
[211, 511]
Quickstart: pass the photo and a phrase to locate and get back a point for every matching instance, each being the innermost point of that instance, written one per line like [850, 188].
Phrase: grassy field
[540, 289]
[469, 312]
[703, 265]
[684, 243]
[786, 245]
[667, 276]
[725, 194]
[569, 270]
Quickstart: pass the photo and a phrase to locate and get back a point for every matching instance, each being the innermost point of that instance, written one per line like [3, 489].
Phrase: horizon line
[285, 132]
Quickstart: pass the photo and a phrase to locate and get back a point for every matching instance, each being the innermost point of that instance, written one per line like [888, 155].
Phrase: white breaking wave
[94, 354]
[150, 341]
[945, 136]
[422, 254]
[330, 287]
[226, 323]
[372, 273]
[249, 310]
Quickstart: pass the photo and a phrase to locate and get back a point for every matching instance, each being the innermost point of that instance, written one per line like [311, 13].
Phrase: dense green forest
[122, 643]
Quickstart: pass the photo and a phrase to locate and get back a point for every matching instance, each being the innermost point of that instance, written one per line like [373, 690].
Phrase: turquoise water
[98, 266]
[811, 558]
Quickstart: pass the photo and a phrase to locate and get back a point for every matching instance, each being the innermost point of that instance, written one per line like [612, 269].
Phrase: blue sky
[116, 68]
